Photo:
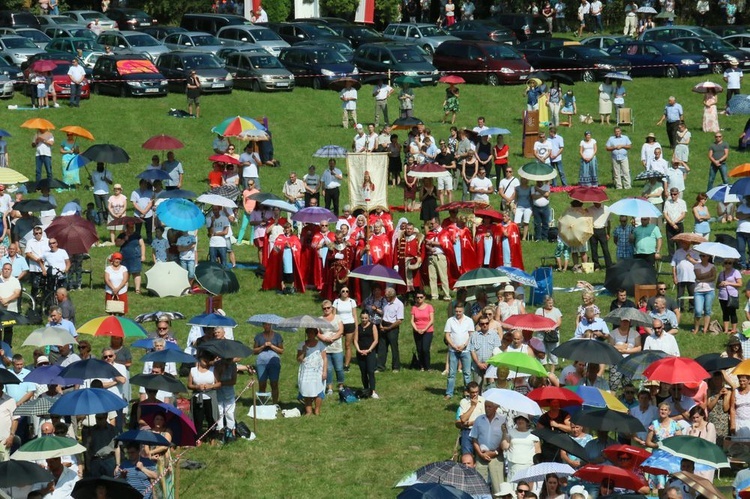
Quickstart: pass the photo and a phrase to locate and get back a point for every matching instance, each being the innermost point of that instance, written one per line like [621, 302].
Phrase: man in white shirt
[733, 76]
[260, 15]
[249, 160]
[175, 170]
[457, 331]
[644, 412]
[10, 291]
[56, 258]
[658, 164]
[675, 210]
[381, 92]
[596, 13]
[359, 142]
[43, 142]
[583, 14]
[76, 74]
[590, 321]
[348, 96]
[294, 190]
[5, 201]
[660, 341]
[372, 138]
[557, 145]
[481, 127]
[481, 186]
[618, 146]
[35, 250]
[542, 149]
[507, 187]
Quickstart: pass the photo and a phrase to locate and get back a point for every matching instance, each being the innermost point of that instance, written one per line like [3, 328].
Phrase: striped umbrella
[234, 126]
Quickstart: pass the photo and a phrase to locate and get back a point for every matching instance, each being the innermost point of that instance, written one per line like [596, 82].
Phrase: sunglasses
[484, 323]
[109, 356]
[326, 308]
[162, 329]
[344, 290]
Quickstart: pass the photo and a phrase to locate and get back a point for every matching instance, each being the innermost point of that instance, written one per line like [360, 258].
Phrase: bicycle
[48, 286]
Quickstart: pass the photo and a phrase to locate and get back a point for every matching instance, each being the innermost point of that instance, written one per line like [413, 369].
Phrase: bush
[278, 10]
[386, 11]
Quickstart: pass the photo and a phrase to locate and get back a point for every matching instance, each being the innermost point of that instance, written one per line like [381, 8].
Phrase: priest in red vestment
[488, 244]
[306, 236]
[408, 257]
[511, 244]
[463, 246]
[379, 245]
[383, 216]
[320, 243]
[340, 259]
[284, 270]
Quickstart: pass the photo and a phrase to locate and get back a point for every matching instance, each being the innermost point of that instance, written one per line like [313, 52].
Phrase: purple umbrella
[378, 273]
[314, 215]
[183, 429]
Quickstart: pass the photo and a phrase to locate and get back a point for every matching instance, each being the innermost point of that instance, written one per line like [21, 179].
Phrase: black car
[297, 32]
[128, 75]
[580, 62]
[316, 66]
[536, 45]
[130, 19]
[720, 52]
[161, 32]
[7, 68]
[18, 19]
[525, 26]
[398, 58]
[482, 29]
[730, 29]
[357, 34]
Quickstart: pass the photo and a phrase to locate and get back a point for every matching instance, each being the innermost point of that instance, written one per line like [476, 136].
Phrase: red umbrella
[637, 454]
[428, 170]
[119, 222]
[162, 142]
[224, 158]
[43, 65]
[546, 394]
[489, 213]
[597, 473]
[461, 205]
[75, 234]
[451, 79]
[183, 429]
[674, 370]
[588, 194]
[529, 322]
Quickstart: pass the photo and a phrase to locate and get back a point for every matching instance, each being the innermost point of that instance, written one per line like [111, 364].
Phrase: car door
[652, 60]
[108, 78]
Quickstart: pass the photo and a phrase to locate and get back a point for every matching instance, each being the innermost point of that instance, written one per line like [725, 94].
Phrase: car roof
[194, 33]
[124, 57]
[126, 10]
[186, 53]
[390, 45]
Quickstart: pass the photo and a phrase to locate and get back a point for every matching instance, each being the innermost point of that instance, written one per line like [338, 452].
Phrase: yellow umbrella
[38, 124]
[78, 131]
[575, 228]
[10, 176]
[743, 368]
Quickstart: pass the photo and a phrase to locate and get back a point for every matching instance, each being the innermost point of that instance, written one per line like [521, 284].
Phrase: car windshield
[202, 61]
[34, 35]
[718, 44]
[431, 31]
[361, 32]
[407, 55]
[84, 33]
[59, 19]
[204, 40]
[83, 45]
[500, 52]
[142, 41]
[18, 43]
[265, 35]
[265, 62]
[590, 52]
[671, 48]
[61, 69]
[326, 56]
[90, 16]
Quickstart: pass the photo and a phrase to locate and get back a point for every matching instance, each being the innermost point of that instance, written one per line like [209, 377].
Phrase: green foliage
[171, 11]
[386, 11]
[339, 8]
[278, 10]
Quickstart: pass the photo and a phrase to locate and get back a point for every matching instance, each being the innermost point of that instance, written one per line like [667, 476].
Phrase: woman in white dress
[311, 378]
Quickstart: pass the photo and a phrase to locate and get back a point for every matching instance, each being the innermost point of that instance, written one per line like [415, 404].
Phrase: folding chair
[625, 117]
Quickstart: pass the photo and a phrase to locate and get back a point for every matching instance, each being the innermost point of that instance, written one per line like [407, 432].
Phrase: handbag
[114, 306]
[733, 302]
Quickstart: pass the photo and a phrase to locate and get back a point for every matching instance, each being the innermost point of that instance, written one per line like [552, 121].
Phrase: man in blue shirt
[673, 115]
[619, 145]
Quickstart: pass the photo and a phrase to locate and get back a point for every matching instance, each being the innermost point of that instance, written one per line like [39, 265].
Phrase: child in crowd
[159, 246]
[562, 255]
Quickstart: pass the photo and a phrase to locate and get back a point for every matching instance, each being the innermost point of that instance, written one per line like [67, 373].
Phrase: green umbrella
[408, 80]
[696, 449]
[216, 279]
[46, 448]
[537, 171]
[480, 277]
[518, 362]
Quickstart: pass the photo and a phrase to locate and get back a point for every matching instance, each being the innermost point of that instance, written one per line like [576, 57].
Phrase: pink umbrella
[224, 158]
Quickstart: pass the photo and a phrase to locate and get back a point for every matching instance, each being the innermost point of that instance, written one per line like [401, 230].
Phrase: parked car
[604, 41]
[130, 19]
[211, 23]
[718, 51]
[130, 42]
[730, 29]
[661, 59]
[69, 32]
[258, 35]
[39, 38]
[340, 47]
[316, 66]
[244, 49]
[87, 18]
[18, 19]
[330, 21]
[482, 62]
[59, 75]
[6, 87]
[7, 68]
[584, 63]
[193, 40]
[176, 67]
[258, 72]
[395, 57]
[50, 20]
[72, 46]
[294, 33]
[427, 36]
[741, 41]
[525, 26]
[128, 75]
[357, 34]
[483, 29]
[536, 45]
[18, 48]
[667, 33]
[161, 32]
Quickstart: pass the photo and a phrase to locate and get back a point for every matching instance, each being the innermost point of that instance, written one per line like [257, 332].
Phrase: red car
[482, 62]
[60, 79]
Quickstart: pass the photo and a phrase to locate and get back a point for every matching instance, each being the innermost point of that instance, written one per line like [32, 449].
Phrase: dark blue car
[661, 59]
[316, 66]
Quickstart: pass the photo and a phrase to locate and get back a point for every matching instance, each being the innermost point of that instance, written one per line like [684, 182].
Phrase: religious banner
[368, 180]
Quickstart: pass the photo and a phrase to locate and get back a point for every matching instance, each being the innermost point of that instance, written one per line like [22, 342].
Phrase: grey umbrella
[304, 322]
[635, 316]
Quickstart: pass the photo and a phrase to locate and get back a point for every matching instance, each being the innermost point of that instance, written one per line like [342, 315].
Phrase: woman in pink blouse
[422, 321]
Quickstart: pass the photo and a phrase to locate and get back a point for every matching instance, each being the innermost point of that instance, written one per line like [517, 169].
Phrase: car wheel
[672, 72]
[588, 76]
[717, 68]
[97, 90]
[493, 80]
[255, 86]
[316, 84]
[429, 49]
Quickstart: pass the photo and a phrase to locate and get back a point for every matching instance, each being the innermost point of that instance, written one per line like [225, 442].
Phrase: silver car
[39, 38]
[6, 87]
[193, 40]
[87, 17]
[132, 42]
[258, 72]
[427, 36]
[176, 67]
[241, 35]
[18, 48]
[51, 20]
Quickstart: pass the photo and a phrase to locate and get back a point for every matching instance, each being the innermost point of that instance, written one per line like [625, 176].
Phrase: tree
[387, 11]
[339, 8]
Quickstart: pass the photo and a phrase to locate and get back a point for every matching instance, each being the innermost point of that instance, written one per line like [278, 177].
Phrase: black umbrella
[542, 75]
[264, 196]
[216, 279]
[726, 239]
[608, 420]
[86, 488]
[176, 193]
[165, 382]
[634, 364]
[715, 362]
[433, 491]
[49, 183]
[19, 473]
[8, 378]
[106, 153]
[627, 274]
[406, 123]
[31, 205]
[226, 349]
[8, 318]
[600, 352]
[89, 369]
[562, 441]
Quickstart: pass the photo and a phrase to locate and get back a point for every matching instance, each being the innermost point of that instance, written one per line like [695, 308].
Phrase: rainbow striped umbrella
[234, 126]
[111, 325]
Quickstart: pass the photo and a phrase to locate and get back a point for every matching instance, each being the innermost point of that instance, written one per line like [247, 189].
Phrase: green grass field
[356, 450]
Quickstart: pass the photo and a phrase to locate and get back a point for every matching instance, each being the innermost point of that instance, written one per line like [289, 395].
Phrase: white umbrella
[167, 279]
[537, 472]
[513, 401]
[719, 250]
[646, 10]
[216, 200]
[635, 207]
[47, 336]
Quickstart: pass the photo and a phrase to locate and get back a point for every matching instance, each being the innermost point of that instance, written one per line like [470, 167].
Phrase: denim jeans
[743, 246]
[335, 361]
[218, 253]
[188, 265]
[46, 161]
[75, 94]
[722, 169]
[704, 300]
[453, 357]
[558, 165]
[541, 222]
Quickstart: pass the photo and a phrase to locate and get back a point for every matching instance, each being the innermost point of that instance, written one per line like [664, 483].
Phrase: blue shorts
[41, 92]
[270, 371]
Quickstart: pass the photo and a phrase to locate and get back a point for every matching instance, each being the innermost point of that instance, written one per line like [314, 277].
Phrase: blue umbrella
[494, 131]
[89, 369]
[142, 437]
[177, 194]
[78, 161]
[519, 275]
[169, 355]
[212, 320]
[4, 133]
[87, 401]
[722, 195]
[153, 174]
[635, 207]
[741, 187]
[739, 104]
[180, 214]
[148, 344]
[50, 375]
[282, 205]
[330, 151]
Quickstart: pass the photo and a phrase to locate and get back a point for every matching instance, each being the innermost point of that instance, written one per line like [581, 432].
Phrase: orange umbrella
[78, 131]
[742, 170]
[38, 124]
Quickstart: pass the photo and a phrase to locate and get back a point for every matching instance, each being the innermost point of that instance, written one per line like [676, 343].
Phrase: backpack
[347, 396]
